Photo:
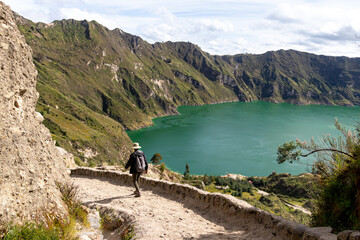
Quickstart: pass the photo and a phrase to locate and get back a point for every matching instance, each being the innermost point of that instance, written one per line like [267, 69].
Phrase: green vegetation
[156, 159]
[338, 167]
[54, 226]
[236, 186]
[162, 168]
[31, 232]
[69, 194]
[303, 186]
[187, 175]
[167, 174]
[95, 83]
[275, 204]
[128, 234]
[76, 128]
[284, 192]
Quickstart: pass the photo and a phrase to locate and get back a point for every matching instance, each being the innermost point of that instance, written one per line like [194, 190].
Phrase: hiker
[138, 164]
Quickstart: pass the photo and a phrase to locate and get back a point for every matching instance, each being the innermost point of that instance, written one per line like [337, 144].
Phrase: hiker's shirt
[132, 161]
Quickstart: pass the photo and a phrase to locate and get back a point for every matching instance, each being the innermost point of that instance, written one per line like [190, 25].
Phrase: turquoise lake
[239, 137]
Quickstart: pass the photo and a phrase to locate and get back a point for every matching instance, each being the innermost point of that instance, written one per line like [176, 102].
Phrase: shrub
[238, 185]
[69, 196]
[54, 226]
[207, 180]
[92, 163]
[338, 165]
[187, 175]
[337, 205]
[237, 193]
[258, 182]
[31, 231]
[128, 233]
[162, 168]
[156, 159]
[78, 161]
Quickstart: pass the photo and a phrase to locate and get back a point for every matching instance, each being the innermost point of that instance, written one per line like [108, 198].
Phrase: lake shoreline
[224, 102]
[203, 135]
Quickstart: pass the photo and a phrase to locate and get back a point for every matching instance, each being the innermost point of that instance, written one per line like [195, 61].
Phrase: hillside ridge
[95, 83]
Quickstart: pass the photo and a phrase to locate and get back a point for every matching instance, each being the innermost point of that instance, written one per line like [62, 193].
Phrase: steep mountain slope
[95, 83]
[297, 77]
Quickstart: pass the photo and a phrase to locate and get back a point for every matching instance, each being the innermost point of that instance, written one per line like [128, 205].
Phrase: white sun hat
[136, 146]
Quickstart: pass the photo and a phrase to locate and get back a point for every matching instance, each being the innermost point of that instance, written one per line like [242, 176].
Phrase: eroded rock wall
[29, 161]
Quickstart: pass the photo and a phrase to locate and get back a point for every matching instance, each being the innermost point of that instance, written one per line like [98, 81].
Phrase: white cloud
[215, 25]
[320, 27]
[77, 14]
[168, 27]
[166, 14]
[158, 33]
[219, 26]
[224, 46]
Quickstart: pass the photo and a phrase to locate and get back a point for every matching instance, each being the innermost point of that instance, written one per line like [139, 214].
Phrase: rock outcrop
[30, 163]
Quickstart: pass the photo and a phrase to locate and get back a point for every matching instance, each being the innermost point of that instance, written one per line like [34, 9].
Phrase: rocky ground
[159, 217]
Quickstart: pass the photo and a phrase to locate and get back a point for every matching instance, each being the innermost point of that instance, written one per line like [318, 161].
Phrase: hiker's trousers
[136, 181]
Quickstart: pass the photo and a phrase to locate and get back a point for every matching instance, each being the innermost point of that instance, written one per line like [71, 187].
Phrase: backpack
[140, 163]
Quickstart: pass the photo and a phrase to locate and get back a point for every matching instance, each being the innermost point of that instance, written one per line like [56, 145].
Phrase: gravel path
[163, 218]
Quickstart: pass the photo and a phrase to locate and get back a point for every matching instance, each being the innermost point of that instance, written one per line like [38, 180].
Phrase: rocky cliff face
[30, 162]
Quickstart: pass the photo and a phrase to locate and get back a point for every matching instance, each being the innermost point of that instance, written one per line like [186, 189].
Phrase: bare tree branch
[327, 149]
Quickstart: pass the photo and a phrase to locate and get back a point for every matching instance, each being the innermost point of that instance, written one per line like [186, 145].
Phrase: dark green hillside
[94, 83]
[297, 77]
[281, 76]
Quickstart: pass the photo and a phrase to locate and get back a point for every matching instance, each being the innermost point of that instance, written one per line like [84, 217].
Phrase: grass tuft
[52, 226]
[31, 231]
[70, 197]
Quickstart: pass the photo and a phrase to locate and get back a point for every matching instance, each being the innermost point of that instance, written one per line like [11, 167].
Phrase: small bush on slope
[338, 166]
[31, 231]
[54, 226]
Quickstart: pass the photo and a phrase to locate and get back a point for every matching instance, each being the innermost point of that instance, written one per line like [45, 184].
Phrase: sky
[327, 27]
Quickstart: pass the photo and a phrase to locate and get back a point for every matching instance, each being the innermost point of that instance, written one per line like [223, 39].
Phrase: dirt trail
[163, 218]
